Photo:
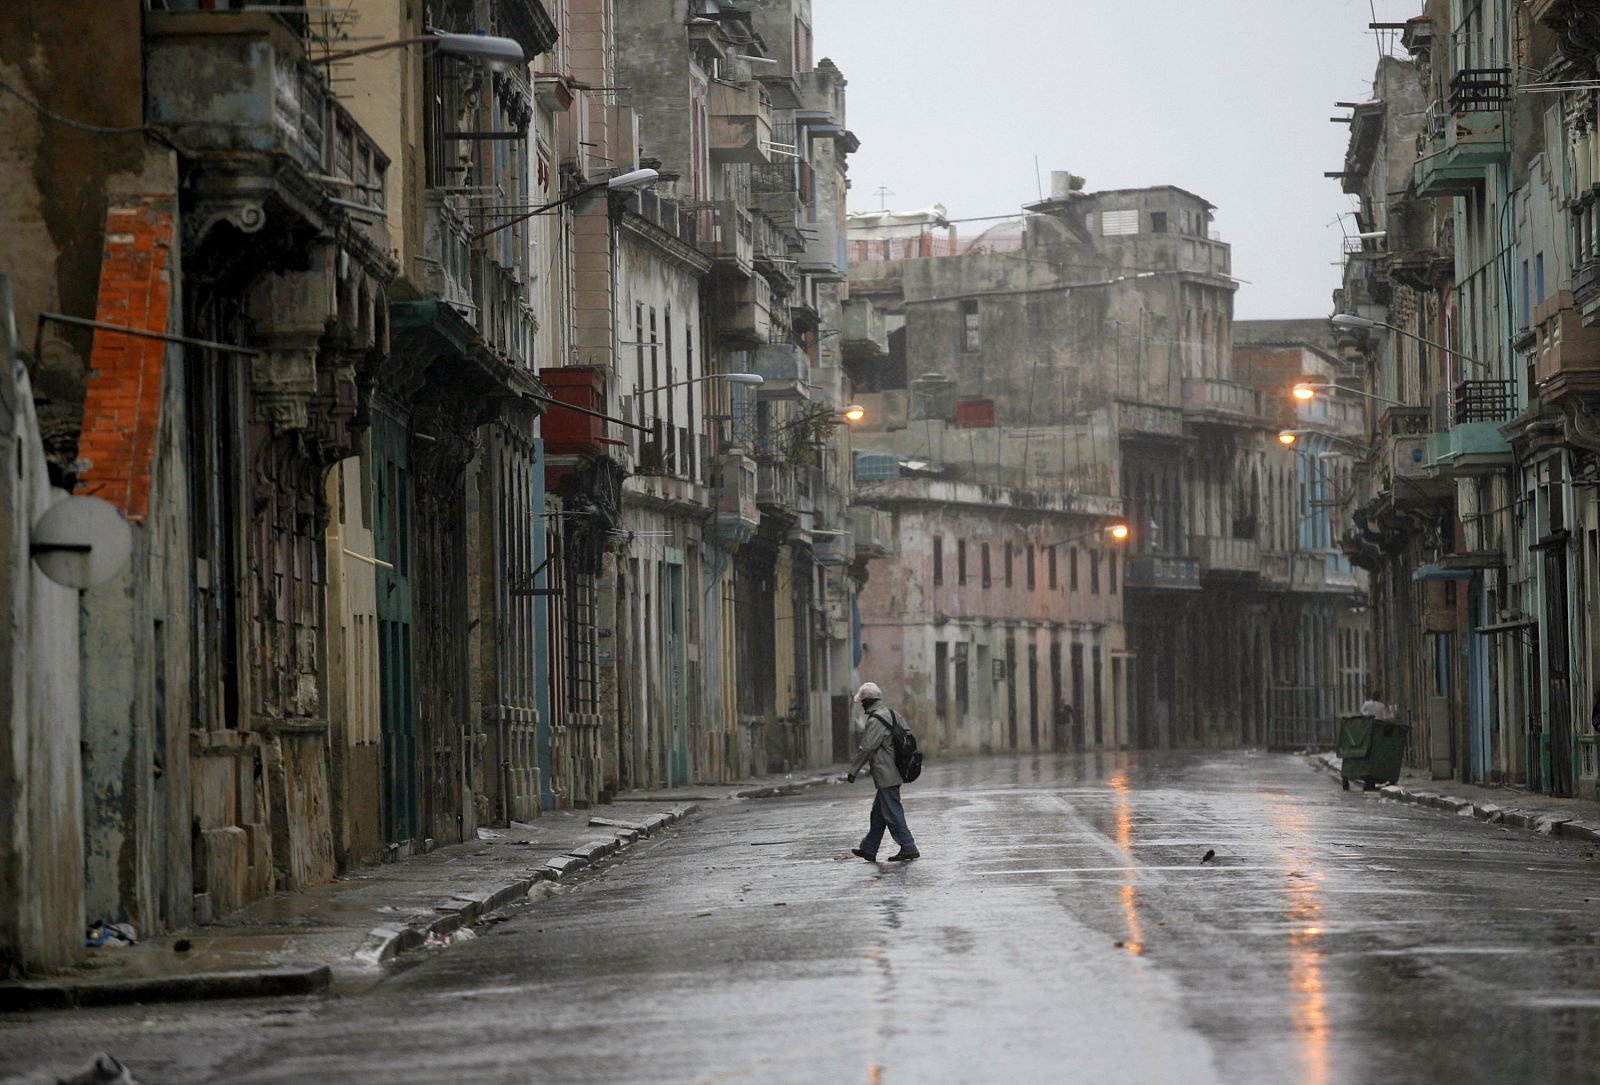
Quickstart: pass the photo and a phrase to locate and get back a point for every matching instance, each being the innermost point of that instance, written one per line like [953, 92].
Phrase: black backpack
[907, 758]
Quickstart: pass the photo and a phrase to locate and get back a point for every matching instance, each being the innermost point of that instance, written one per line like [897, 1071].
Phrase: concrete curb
[382, 944]
[263, 983]
[792, 787]
[1490, 813]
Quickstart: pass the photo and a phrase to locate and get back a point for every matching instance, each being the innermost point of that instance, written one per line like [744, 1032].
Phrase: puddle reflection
[1129, 892]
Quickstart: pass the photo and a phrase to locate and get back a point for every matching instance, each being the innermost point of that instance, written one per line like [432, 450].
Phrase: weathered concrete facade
[1087, 349]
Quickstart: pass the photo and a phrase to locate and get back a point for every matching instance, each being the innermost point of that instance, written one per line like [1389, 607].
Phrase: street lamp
[479, 46]
[1308, 391]
[1289, 437]
[621, 183]
[731, 378]
[1117, 531]
[854, 413]
[1366, 324]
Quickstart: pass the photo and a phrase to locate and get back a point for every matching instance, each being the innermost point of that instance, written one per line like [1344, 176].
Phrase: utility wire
[48, 114]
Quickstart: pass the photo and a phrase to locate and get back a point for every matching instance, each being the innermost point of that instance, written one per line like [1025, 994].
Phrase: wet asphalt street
[1060, 928]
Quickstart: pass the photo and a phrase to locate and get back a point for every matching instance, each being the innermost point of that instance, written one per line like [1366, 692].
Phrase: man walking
[877, 749]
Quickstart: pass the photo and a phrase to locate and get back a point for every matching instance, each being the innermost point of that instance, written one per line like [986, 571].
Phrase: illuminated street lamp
[854, 413]
[1308, 391]
[1116, 531]
[1289, 437]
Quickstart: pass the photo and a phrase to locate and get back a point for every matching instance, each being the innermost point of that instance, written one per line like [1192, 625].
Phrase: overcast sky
[952, 99]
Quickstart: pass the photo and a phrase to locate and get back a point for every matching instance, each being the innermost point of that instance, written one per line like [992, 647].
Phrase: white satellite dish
[81, 542]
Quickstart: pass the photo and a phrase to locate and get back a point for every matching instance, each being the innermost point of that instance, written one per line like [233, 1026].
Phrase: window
[1094, 572]
[1030, 569]
[963, 691]
[961, 561]
[1158, 222]
[1538, 278]
[1010, 555]
[1072, 569]
[941, 691]
[1050, 554]
[938, 561]
[984, 558]
[1111, 571]
[971, 341]
[1119, 223]
[1527, 296]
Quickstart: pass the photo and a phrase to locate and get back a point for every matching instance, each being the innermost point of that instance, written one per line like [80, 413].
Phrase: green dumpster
[1371, 750]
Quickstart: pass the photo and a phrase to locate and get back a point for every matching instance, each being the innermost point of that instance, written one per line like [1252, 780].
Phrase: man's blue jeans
[887, 813]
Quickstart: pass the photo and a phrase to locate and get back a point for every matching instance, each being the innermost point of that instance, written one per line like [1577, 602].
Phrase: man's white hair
[869, 691]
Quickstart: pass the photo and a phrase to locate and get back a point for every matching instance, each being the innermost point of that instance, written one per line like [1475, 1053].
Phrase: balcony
[1474, 445]
[1219, 556]
[1149, 420]
[1209, 400]
[865, 331]
[785, 368]
[727, 235]
[1294, 572]
[1586, 254]
[1567, 361]
[737, 514]
[873, 530]
[233, 90]
[827, 253]
[773, 257]
[833, 548]
[571, 433]
[741, 123]
[743, 309]
[1465, 135]
[1157, 572]
[776, 485]
[446, 246]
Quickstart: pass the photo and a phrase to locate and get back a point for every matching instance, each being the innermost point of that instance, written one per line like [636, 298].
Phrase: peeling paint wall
[41, 820]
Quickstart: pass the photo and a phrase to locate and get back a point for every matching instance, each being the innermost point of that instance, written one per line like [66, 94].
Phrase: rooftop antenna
[883, 193]
[1038, 178]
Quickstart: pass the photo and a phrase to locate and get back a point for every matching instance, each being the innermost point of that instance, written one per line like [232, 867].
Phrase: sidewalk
[340, 935]
[1576, 819]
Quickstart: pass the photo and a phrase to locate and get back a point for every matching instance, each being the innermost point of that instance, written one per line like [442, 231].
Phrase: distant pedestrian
[877, 750]
[1065, 719]
[1374, 708]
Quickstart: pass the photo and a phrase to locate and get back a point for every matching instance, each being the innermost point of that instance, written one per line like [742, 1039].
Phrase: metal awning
[1509, 626]
[1436, 570]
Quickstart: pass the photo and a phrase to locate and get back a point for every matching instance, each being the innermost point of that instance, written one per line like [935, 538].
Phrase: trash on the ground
[780, 904]
[101, 933]
[1208, 856]
[701, 915]
[182, 945]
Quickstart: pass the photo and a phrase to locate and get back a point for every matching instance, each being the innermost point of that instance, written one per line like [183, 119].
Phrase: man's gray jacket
[877, 747]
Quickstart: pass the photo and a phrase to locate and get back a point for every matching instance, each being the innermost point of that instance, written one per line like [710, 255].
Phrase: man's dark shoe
[904, 856]
[863, 855]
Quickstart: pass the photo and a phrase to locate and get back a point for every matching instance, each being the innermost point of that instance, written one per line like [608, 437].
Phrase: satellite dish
[81, 542]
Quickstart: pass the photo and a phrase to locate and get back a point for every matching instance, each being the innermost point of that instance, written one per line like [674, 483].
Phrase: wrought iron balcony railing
[1480, 90]
[1484, 401]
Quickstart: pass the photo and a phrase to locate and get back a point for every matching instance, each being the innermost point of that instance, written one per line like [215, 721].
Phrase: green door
[391, 486]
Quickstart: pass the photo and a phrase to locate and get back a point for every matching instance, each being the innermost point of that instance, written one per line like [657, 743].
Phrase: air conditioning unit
[1410, 457]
